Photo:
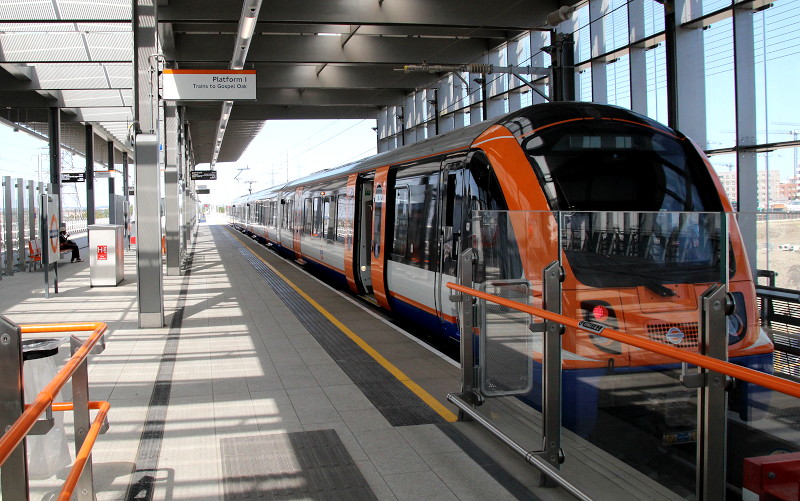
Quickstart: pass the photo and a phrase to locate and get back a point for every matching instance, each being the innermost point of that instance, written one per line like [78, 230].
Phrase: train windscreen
[639, 207]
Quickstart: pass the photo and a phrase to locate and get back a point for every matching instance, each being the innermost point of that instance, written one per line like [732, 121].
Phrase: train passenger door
[363, 262]
[380, 210]
[452, 214]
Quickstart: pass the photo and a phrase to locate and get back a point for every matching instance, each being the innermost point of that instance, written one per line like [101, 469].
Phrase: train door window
[288, 209]
[422, 182]
[400, 237]
[484, 192]
[340, 227]
[326, 217]
[453, 219]
[318, 215]
[308, 215]
[377, 212]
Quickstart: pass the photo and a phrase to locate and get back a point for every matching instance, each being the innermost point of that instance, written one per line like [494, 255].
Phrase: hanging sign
[209, 175]
[73, 177]
[209, 85]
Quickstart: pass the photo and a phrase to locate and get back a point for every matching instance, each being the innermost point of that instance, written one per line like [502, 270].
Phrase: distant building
[767, 184]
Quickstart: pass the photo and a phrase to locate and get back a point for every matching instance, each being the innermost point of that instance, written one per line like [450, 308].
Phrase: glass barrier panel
[641, 273]
[763, 425]
[512, 249]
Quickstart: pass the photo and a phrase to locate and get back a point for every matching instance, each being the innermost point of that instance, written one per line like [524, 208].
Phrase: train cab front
[642, 234]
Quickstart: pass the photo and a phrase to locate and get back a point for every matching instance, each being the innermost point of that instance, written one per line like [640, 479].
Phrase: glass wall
[621, 58]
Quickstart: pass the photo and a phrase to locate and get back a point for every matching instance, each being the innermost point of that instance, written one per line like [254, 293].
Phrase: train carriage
[390, 227]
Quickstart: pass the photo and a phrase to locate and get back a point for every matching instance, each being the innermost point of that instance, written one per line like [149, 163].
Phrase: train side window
[340, 228]
[400, 240]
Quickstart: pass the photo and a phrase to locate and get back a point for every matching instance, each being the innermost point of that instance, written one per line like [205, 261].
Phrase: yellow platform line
[397, 373]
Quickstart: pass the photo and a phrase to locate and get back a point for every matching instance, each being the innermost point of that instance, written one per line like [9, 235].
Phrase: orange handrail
[727, 368]
[82, 457]
[12, 438]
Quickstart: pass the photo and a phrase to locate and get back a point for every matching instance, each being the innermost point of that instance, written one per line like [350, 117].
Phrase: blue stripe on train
[581, 391]
[405, 312]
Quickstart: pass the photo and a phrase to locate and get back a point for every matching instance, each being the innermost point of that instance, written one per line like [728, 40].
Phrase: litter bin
[48, 454]
[106, 255]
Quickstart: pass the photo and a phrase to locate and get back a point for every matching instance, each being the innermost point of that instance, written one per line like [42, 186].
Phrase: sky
[286, 150]
[283, 151]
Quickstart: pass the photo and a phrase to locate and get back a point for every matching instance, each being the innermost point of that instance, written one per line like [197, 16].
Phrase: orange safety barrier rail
[713, 364]
[19, 430]
[82, 457]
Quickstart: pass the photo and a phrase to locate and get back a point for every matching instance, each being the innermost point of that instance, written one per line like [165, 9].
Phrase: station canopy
[314, 59]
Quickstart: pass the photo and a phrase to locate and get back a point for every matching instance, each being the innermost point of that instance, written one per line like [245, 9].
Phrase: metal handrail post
[7, 225]
[711, 397]
[466, 261]
[14, 472]
[552, 275]
[82, 422]
[19, 185]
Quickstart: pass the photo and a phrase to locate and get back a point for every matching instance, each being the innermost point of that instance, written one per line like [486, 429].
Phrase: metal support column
[112, 204]
[8, 235]
[14, 474]
[685, 70]
[54, 136]
[126, 201]
[148, 182]
[712, 399]
[171, 191]
[563, 57]
[19, 185]
[148, 232]
[746, 160]
[90, 216]
[598, 11]
[638, 58]
[31, 197]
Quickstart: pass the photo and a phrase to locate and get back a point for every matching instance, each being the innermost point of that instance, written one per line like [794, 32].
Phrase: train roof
[453, 140]
[519, 122]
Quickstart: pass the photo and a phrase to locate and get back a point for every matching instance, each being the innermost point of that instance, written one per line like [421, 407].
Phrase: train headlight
[737, 320]
[601, 312]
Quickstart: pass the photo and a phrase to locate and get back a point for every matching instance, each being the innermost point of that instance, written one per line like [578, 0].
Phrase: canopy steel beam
[471, 13]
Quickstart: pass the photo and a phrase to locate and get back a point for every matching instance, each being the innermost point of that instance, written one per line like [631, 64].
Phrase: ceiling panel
[314, 59]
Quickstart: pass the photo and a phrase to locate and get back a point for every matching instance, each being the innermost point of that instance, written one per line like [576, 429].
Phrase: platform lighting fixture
[247, 27]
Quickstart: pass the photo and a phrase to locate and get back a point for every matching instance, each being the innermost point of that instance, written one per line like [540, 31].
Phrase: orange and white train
[632, 207]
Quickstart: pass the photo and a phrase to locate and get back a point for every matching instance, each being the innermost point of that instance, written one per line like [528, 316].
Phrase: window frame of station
[321, 214]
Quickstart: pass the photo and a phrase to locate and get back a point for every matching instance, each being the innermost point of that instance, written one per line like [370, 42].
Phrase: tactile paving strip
[283, 466]
[399, 405]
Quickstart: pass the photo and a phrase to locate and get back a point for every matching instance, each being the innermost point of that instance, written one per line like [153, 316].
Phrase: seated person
[67, 244]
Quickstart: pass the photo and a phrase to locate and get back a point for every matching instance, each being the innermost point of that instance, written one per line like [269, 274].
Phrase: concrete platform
[234, 398]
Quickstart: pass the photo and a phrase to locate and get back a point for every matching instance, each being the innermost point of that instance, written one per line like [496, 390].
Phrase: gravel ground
[785, 262]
